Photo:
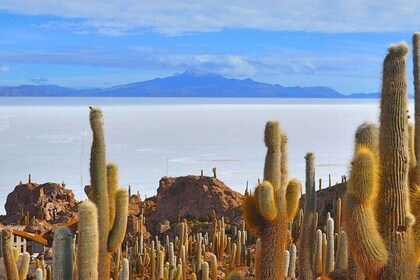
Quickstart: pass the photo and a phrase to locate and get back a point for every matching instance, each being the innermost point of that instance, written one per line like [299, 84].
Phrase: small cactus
[63, 254]
[88, 248]
[307, 232]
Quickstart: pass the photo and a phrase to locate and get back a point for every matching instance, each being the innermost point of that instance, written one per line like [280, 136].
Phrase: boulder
[49, 201]
[193, 197]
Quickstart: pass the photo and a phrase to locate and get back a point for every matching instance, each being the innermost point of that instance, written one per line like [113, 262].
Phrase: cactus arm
[267, 201]
[272, 167]
[367, 135]
[252, 215]
[365, 241]
[117, 233]
[292, 197]
[284, 168]
[112, 184]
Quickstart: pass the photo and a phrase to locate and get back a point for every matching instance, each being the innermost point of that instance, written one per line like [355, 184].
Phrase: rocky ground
[195, 199]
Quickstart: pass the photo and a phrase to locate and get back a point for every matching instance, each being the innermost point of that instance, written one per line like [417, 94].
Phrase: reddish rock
[50, 202]
[325, 201]
[134, 228]
[38, 227]
[194, 197]
[163, 227]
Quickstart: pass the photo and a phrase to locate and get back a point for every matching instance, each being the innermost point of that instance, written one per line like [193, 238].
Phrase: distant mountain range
[187, 84]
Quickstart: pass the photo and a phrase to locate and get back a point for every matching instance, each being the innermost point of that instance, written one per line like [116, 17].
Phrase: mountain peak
[191, 83]
[197, 73]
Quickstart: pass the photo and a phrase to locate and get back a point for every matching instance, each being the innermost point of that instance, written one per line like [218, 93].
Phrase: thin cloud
[231, 65]
[39, 81]
[116, 18]
[4, 69]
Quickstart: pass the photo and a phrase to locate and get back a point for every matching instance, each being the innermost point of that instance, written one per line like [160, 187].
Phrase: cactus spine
[63, 254]
[307, 232]
[117, 233]
[266, 212]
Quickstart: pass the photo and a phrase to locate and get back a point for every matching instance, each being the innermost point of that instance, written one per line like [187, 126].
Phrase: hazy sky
[99, 43]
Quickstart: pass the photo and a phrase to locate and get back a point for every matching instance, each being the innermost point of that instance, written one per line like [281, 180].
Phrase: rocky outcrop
[325, 201]
[38, 227]
[193, 197]
[50, 202]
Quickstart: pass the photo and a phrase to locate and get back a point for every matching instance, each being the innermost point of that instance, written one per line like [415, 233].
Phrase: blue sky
[105, 43]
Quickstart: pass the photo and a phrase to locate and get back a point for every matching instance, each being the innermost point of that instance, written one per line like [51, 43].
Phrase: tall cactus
[394, 217]
[16, 266]
[414, 174]
[8, 258]
[307, 232]
[266, 212]
[110, 235]
[385, 251]
[416, 74]
[63, 254]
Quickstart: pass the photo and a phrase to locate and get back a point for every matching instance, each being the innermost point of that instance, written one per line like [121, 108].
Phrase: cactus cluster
[380, 214]
[384, 184]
